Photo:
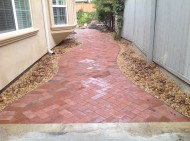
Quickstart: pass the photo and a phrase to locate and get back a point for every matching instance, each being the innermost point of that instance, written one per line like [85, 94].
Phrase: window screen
[59, 12]
[7, 22]
[59, 2]
[59, 15]
[23, 14]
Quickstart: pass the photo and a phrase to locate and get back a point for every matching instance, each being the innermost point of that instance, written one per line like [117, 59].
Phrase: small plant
[79, 14]
[105, 12]
[107, 9]
[116, 36]
[119, 11]
[85, 17]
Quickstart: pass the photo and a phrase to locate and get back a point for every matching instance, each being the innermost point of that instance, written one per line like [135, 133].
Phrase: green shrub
[116, 36]
[119, 11]
[79, 14]
[106, 9]
[85, 17]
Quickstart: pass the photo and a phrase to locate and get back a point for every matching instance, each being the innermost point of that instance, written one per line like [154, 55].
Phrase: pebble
[37, 75]
[157, 83]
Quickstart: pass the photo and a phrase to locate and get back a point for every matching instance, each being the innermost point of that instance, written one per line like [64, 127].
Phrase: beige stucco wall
[86, 7]
[60, 32]
[16, 57]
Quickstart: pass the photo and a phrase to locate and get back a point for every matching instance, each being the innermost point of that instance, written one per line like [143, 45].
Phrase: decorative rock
[1, 99]
[42, 71]
[151, 79]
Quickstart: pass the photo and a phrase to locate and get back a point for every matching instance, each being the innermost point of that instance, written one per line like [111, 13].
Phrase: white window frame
[16, 21]
[64, 6]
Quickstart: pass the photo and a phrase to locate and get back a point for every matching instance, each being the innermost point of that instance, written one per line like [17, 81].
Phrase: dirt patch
[41, 72]
[150, 78]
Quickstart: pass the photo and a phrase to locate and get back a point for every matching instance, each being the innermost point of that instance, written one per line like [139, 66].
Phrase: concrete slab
[97, 132]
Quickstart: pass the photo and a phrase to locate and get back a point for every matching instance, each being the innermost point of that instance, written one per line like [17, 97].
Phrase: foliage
[116, 36]
[85, 17]
[119, 11]
[106, 9]
[79, 14]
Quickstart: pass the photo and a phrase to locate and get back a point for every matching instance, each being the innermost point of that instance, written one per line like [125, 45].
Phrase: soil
[150, 78]
[43, 70]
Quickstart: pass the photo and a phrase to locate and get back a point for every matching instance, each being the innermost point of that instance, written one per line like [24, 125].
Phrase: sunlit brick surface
[89, 87]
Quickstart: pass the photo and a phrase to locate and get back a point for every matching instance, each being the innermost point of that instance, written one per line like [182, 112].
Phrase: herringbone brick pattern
[89, 87]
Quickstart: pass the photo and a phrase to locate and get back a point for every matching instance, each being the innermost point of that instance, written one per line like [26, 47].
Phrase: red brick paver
[89, 87]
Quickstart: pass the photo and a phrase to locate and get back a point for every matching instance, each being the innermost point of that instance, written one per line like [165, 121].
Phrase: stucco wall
[16, 57]
[86, 7]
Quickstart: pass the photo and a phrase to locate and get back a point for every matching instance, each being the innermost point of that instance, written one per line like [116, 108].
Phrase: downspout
[46, 27]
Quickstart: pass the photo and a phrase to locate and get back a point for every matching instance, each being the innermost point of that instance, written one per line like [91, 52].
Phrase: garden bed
[150, 78]
[41, 72]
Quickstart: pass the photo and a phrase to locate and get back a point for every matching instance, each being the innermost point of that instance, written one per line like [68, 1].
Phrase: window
[7, 22]
[59, 12]
[14, 15]
[23, 13]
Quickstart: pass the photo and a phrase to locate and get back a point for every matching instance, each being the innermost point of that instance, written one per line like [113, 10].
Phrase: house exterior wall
[160, 29]
[86, 7]
[58, 33]
[83, 1]
[19, 54]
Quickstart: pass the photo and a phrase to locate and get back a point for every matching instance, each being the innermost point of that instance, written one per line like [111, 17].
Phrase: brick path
[89, 87]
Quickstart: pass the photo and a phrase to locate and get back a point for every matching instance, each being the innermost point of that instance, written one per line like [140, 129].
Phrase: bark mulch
[41, 72]
[150, 78]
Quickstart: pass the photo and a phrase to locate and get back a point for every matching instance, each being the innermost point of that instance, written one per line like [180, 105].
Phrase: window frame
[16, 20]
[66, 9]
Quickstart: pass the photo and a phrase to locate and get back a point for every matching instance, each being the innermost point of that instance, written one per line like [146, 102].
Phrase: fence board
[171, 42]
[171, 37]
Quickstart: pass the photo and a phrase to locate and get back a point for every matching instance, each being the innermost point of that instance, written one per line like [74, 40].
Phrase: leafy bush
[106, 9]
[119, 11]
[116, 36]
[85, 17]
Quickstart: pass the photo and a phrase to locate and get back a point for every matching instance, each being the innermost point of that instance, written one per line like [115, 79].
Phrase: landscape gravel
[41, 72]
[150, 78]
